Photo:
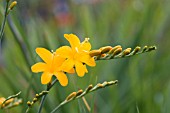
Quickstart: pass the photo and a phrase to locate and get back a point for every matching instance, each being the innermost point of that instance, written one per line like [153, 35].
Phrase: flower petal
[57, 62]
[86, 71]
[67, 65]
[45, 54]
[85, 45]
[64, 51]
[80, 69]
[72, 71]
[2, 99]
[38, 67]
[46, 77]
[62, 78]
[73, 40]
[87, 59]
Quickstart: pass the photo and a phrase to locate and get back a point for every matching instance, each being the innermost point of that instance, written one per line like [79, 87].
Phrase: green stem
[3, 22]
[44, 97]
[63, 103]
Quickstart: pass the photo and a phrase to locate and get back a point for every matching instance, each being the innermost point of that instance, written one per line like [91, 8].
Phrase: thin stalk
[49, 86]
[86, 104]
[63, 103]
[3, 23]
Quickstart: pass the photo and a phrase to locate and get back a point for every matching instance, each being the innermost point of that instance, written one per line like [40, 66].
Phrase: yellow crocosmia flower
[77, 55]
[50, 67]
[2, 99]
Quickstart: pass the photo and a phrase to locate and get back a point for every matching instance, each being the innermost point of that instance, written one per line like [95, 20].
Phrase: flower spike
[118, 52]
[80, 93]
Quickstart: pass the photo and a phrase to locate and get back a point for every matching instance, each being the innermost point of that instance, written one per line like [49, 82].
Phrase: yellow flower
[77, 55]
[50, 67]
[2, 99]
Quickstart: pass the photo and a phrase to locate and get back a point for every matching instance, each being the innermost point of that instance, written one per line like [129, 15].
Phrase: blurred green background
[144, 80]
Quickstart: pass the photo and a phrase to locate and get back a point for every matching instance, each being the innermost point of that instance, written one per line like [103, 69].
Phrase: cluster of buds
[108, 52]
[80, 93]
[11, 101]
[90, 88]
[36, 98]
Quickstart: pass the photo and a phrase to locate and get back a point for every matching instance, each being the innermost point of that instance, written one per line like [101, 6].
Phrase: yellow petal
[85, 45]
[2, 99]
[67, 65]
[62, 78]
[85, 69]
[64, 51]
[73, 40]
[38, 67]
[46, 77]
[57, 62]
[46, 55]
[71, 71]
[87, 59]
[80, 69]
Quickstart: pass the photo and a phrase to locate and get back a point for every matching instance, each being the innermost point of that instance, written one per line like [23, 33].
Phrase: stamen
[86, 39]
[76, 49]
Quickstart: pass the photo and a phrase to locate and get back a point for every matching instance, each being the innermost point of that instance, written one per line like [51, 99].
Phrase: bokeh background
[144, 80]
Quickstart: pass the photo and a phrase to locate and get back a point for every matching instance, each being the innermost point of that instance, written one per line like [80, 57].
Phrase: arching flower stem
[49, 86]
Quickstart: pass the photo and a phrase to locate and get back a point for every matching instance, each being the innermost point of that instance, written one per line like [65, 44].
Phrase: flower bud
[79, 92]
[71, 96]
[13, 4]
[35, 99]
[103, 55]
[126, 51]
[113, 49]
[99, 85]
[152, 48]
[29, 103]
[36, 95]
[117, 51]
[137, 49]
[145, 48]
[112, 82]
[105, 49]
[95, 53]
[89, 88]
